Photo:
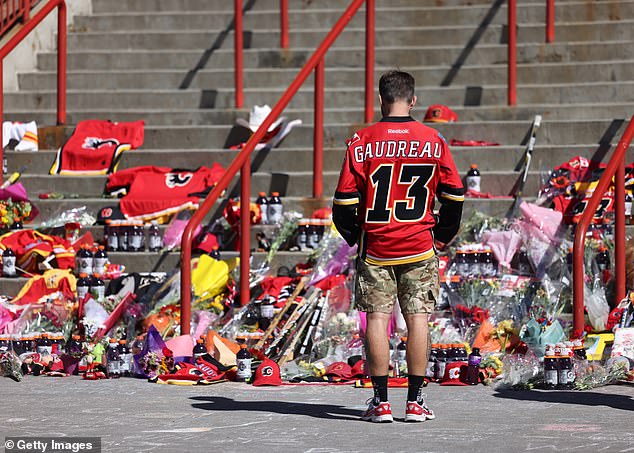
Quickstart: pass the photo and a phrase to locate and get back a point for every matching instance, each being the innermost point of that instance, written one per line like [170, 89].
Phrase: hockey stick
[300, 308]
[523, 166]
[290, 324]
[288, 350]
[278, 317]
[312, 328]
[273, 350]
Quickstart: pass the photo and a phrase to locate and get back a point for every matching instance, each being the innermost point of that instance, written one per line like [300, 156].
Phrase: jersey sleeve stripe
[346, 198]
[452, 197]
[346, 202]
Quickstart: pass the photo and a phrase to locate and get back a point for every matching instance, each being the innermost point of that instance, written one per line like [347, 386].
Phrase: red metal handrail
[616, 169]
[238, 57]
[550, 21]
[512, 53]
[241, 161]
[61, 57]
[369, 60]
[284, 24]
[12, 12]
[512, 44]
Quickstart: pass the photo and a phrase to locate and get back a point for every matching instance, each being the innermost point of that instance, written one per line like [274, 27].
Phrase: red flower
[479, 314]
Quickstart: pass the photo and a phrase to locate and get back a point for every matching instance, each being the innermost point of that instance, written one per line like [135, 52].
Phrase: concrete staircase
[173, 67]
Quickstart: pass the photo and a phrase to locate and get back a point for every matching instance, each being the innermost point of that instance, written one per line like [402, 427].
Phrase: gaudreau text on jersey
[397, 149]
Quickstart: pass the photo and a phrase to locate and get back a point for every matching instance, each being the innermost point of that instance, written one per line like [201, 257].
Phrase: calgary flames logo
[98, 142]
[454, 373]
[267, 371]
[177, 179]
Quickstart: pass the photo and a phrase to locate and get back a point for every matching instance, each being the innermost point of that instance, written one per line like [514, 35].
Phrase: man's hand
[440, 246]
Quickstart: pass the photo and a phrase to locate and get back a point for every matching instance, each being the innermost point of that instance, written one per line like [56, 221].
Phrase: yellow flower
[506, 326]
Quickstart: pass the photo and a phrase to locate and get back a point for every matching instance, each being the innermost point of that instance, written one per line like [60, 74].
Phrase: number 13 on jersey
[399, 191]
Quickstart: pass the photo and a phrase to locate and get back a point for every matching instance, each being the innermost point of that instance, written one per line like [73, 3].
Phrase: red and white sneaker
[417, 411]
[379, 413]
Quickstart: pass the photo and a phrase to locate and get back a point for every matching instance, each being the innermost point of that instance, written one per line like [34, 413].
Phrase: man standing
[392, 172]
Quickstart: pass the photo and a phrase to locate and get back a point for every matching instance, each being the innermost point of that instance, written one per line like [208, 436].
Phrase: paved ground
[134, 416]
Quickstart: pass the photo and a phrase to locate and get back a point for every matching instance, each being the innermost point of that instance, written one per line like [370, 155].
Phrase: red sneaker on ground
[378, 413]
[417, 411]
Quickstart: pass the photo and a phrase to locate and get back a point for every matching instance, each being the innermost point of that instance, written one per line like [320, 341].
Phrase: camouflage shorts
[416, 285]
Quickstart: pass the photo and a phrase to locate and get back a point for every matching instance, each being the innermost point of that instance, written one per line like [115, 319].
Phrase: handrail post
[26, 15]
[369, 60]
[512, 55]
[245, 231]
[318, 137]
[61, 63]
[186, 309]
[619, 230]
[284, 24]
[550, 21]
[238, 57]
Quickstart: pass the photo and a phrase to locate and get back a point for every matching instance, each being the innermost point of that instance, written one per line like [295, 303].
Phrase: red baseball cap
[268, 373]
[339, 369]
[455, 374]
[439, 113]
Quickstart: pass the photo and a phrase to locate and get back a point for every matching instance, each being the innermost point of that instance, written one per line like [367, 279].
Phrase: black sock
[414, 384]
[380, 388]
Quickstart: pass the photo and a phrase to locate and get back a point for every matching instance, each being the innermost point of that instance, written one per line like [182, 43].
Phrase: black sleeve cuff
[449, 217]
[345, 219]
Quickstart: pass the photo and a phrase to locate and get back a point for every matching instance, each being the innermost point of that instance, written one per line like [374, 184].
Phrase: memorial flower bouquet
[11, 211]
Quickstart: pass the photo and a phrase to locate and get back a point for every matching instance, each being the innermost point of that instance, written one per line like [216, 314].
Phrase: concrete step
[299, 184]
[535, 73]
[386, 16]
[420, 33]
[169, 117]
[300, 159]
[489, 95]
[93, 201]
[90, 188]
[502, 132]
[224, 98]
[111, 99]
[352, 56]
[105, 6]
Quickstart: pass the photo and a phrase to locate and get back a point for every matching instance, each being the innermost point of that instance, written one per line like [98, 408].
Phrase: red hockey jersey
[394, 170]
[571, 186]
[151, 192]
[31, 247]
[96, 147]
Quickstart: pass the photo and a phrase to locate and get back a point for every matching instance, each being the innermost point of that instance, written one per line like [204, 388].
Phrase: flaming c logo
[454, 373]
[98, 142]
[267, 371]
[177, 179]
